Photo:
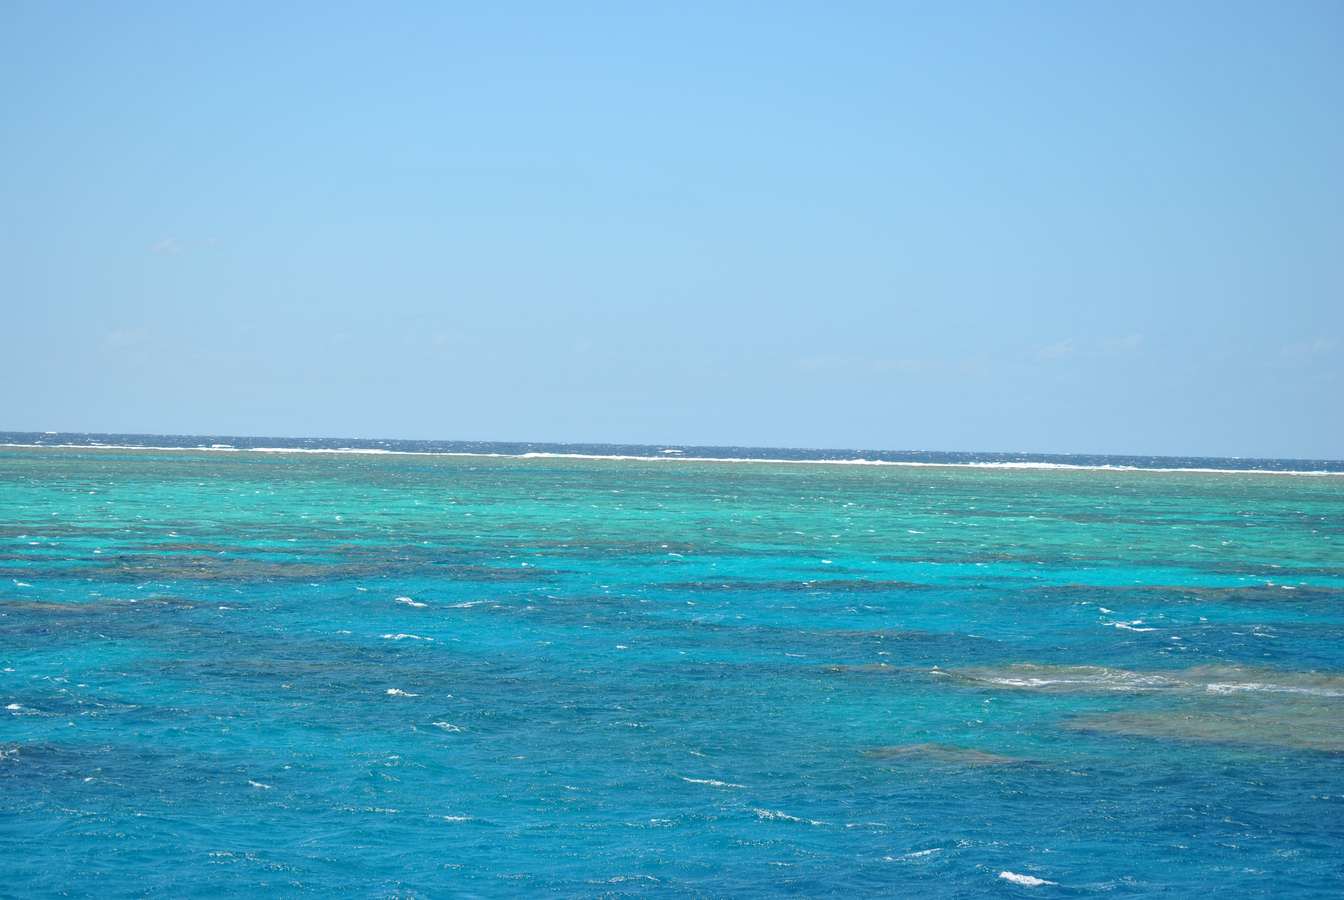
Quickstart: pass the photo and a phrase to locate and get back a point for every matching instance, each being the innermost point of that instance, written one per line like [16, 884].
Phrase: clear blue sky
[1000, 226]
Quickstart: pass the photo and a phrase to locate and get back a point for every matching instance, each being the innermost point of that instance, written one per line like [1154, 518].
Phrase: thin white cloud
[1058, 350]
[1124, 344]
[858, 364]
[1312, 348]
[1069, 348]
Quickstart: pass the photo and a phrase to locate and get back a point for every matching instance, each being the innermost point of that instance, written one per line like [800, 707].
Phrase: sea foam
[712, 782]
[1025, 880]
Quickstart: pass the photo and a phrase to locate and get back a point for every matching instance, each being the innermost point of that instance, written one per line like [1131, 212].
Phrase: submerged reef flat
[1247, 705]
[1295, 725]
[378, 673]
[1205, 679]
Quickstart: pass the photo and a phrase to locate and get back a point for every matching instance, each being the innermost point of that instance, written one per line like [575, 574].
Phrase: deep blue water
[419, 675]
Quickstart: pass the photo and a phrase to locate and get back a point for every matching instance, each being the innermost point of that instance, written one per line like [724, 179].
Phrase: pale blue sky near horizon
[1056, 227]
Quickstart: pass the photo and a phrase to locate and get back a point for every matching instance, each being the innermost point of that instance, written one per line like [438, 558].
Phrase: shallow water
[412, 675]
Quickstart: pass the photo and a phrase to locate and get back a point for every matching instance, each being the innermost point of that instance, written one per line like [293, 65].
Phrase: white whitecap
[774, 815]
[712, 782]
[921, 853]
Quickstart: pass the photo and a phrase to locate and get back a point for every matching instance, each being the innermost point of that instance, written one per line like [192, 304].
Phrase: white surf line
[858, 461]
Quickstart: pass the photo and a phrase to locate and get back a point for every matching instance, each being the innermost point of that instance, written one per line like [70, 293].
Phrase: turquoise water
[389, 675]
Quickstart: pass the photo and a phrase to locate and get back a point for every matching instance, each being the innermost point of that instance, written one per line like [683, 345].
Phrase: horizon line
[670, 449]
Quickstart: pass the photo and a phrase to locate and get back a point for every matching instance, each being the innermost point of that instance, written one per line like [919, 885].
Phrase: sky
[1055, 227]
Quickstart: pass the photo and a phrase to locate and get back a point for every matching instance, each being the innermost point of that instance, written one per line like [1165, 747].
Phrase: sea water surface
[422, 674]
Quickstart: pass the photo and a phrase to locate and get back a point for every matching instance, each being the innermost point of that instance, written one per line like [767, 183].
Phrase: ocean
[417, 669]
